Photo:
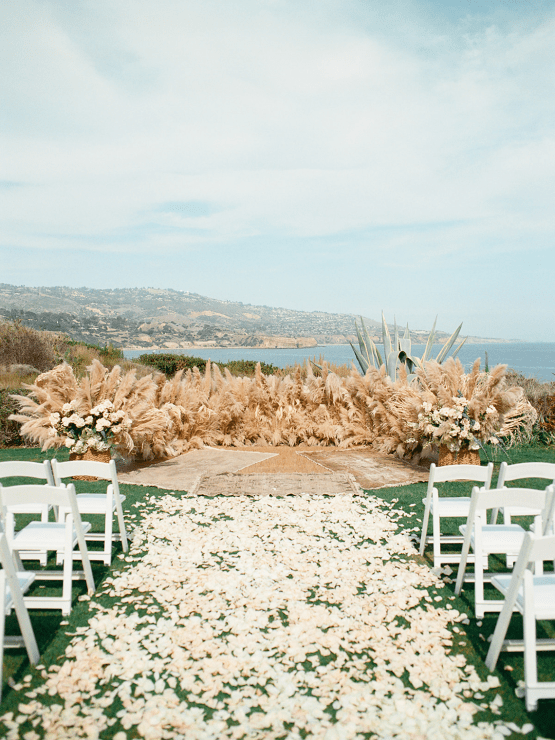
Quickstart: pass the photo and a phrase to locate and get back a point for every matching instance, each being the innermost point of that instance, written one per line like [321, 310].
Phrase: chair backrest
[497, 498]
[27, 469]
[519, 471]
[537, 548]
[475, 473]
[104, 470]
[33, 494]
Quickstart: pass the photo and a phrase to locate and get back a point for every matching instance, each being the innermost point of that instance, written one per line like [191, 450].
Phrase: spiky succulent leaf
[361, 361]
[455, 352]
[391, 365]
[429, 343]
[448, 344]
[364, 351]
[367, 345]
[386, 338]
[405, 345]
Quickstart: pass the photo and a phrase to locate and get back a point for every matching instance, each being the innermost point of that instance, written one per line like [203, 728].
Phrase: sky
[349, 156]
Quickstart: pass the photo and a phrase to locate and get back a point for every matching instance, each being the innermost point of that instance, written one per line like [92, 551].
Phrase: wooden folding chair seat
[62, 536]
[442, 507]
[106, 504]
[534, 597]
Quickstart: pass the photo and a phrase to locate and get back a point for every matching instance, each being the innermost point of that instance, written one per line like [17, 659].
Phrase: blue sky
[336, 155]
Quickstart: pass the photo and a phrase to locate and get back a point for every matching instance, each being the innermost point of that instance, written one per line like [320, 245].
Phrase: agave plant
[398, 350]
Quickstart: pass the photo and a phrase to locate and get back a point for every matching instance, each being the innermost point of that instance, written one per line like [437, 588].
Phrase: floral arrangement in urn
[455, 425]
[95, 430]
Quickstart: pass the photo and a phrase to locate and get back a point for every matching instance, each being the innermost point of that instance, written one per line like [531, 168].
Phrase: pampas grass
[193, 409]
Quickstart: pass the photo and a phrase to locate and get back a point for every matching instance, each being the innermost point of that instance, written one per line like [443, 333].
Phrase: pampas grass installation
[192, 409]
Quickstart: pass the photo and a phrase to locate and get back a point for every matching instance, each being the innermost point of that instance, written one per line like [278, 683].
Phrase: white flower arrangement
[456, 426]
[95, 430]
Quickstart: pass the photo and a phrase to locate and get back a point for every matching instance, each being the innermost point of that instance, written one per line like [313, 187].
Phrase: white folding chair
[522, 471]
[97, 503]
[12, 587]
[61, 536]
[534, 597]
[497, 539]
[27, 469]
[442, 507]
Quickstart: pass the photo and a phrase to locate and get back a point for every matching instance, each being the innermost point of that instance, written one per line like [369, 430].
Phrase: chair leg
[436, 527]
[502, 625]
[108, 528]
[2, 624]
[530, 655]
[68, 567]
[479, 587]
[423, 536]
[122, 529]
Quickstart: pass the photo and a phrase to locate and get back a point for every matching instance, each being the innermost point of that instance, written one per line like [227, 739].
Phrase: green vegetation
[170, 364]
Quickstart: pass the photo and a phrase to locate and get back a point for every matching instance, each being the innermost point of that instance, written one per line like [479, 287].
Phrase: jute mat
[275, 484]
[182, 472]
[370, 468]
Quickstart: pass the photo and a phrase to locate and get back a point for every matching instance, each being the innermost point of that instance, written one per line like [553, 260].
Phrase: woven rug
[275, 484]
[371, 469]
[181, 473]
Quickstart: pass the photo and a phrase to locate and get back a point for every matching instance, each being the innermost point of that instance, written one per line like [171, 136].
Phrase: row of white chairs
[52, 499]
[56, 473]
[447, 507]
[527, 589]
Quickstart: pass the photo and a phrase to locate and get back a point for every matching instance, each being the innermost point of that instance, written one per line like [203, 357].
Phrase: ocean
[533, 359]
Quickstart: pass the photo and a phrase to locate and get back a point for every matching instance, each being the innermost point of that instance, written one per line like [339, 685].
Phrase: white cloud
[293, 120]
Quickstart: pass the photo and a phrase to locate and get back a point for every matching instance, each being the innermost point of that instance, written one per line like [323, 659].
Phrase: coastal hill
[152, 318]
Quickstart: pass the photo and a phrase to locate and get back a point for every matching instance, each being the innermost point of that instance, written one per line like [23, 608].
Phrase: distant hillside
[148, 318]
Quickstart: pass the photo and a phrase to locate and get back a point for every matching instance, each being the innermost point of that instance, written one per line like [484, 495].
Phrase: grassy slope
[407, 507]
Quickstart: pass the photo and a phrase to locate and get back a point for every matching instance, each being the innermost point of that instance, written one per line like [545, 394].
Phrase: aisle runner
[264, 618]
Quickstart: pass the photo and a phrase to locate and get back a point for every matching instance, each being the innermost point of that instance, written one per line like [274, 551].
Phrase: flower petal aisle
[265, 618]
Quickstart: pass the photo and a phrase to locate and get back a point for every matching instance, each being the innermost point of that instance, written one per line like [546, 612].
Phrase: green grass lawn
[54, 633]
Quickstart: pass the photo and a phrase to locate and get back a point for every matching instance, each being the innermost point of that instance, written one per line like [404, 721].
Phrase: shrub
[248, 367]
[542, 397]
[170, 364]
[10, 431]
[21, 345]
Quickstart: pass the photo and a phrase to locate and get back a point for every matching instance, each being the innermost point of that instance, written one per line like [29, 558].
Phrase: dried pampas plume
[193, 409]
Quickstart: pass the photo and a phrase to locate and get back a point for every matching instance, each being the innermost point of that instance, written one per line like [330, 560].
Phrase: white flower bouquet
[95, 430]
[457, 425]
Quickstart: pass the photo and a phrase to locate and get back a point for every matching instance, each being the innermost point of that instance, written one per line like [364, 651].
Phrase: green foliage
[398, 350]
[110, 354]
[248, 367]
[169, 364]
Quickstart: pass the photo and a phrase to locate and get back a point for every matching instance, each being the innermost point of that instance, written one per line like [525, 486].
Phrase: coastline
[159, 348]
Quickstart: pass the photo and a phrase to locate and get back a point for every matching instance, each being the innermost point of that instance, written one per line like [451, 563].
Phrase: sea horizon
[532, 359]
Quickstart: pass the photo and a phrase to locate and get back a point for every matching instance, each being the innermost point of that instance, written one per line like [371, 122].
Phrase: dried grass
[20, 344]
[192, 409]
